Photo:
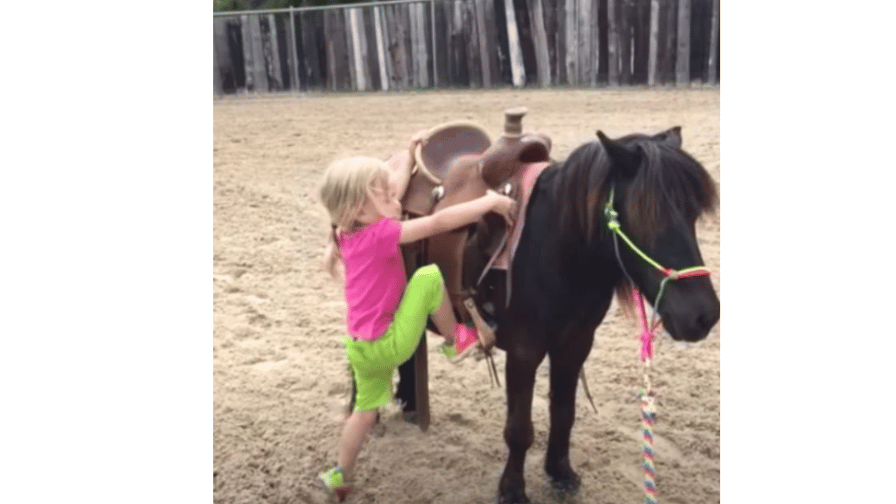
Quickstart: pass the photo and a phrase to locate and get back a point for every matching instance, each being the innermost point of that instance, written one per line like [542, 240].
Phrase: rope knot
[612, 219]
[646, 345]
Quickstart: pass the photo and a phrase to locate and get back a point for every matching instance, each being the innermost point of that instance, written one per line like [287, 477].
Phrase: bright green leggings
[374, 362]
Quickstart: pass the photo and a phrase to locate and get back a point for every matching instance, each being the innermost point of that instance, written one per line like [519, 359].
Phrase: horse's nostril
[705, 321]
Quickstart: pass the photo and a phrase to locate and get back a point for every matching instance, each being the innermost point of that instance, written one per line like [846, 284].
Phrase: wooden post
[540, 41]
[260, 71]
[293, 50]
[368, 28]
[400, 56]
[220, 54]
[624, 10]
[613, 43]
[471, 42]
[217, 88]
[338, 63]
[248, 63]
[275, 79]
[556, 26]
[572, 42]
[654, 42]
[641, 47]
[483, 41]
[350, 47]
[585, 41]
[414, 31]
[491, 34]
[457, 60]
[418, 45]
[683, 56]
[311, 25]
[381, 48]
[714, 43]
[432, 44]
[517, 69]
[357, 43]
[441, 45]
[550, 27]
[595, 40]
[668, 22]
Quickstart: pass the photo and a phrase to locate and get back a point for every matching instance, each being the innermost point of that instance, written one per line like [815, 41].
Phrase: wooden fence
[468, 44]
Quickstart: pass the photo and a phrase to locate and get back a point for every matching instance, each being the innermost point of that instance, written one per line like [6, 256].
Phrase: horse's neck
[594, 261]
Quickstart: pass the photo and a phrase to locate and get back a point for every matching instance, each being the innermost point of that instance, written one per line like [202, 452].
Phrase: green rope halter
[668, 273]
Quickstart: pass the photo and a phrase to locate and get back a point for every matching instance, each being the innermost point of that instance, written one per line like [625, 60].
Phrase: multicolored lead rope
[648, 416]
[648, 413]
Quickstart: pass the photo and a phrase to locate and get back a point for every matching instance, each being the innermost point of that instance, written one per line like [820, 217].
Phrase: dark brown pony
[567, 267]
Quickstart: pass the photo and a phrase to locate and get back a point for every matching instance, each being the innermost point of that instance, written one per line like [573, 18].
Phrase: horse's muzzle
[690, 318]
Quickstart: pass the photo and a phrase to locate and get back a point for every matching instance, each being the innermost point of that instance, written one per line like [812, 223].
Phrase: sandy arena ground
[280, 378]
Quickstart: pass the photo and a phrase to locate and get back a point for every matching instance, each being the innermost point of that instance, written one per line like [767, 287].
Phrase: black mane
[668, 178]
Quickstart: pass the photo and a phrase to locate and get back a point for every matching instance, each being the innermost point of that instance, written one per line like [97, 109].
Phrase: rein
[645, 395]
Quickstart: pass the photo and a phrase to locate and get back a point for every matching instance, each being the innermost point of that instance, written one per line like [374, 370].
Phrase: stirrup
[486, 334]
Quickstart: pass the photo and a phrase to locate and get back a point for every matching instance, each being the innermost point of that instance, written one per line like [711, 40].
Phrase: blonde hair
[343, 192]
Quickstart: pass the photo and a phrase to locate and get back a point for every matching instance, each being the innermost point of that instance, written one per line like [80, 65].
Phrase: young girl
[386, 314]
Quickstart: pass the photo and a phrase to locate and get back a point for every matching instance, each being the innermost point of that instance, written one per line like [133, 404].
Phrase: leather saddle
[459, 163]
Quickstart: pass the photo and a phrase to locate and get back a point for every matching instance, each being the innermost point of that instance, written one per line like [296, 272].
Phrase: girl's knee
[429, 280]
[429, 274]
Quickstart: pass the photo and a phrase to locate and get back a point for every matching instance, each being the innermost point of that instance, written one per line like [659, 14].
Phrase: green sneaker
[448, 350]
[335, 483]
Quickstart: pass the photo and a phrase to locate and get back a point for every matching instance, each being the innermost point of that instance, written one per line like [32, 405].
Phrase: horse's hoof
[567, 485]
[513, 499]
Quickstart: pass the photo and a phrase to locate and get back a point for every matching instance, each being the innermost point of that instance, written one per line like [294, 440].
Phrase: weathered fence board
[291, 37]
[271, 49]
[641, 42]
[441, 61]
[668, 35]
[551, 28]
[517, 68]
[613, 49]
[419, 45]
[714, 43]
[624, 8]
[587, 73]
[571, 38]
[407, 50]
[221, 57]
[682, 58]
[654, 42]
[338, 77]
[468, 43]
[482, 44]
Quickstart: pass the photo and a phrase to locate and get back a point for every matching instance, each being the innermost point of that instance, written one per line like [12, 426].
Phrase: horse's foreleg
[565, 367]
[518, 431]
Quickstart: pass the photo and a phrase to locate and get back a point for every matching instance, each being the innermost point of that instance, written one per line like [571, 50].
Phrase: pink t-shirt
[374, 277]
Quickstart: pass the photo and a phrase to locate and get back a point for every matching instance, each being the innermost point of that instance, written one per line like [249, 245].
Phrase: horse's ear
[671, 136]
[624, 159]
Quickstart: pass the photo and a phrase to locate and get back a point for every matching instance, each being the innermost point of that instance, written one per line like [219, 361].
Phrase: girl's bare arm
[402, 164]
[455, 216]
